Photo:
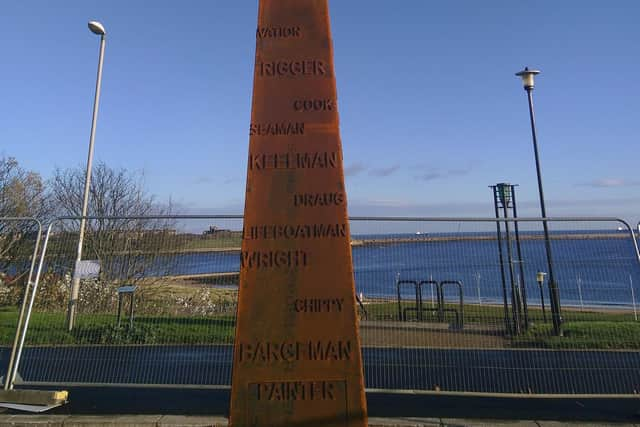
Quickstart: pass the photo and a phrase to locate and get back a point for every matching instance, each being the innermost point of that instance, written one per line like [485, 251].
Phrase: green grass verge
[49, 329]
[222, 242]
[582, 330]
[583, 335]
[491, 314]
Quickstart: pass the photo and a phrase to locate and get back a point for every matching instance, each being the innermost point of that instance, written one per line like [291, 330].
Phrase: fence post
[8, 383]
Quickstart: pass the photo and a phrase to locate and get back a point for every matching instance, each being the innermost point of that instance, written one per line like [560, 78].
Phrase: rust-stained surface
[297, 355]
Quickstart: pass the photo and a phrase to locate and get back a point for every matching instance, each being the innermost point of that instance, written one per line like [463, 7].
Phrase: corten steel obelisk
[297, 355]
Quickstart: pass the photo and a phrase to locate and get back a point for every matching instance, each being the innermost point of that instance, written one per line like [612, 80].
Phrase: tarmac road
[469, 370]
[505, 371]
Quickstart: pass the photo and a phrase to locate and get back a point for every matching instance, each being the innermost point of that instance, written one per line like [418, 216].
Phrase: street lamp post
[96, 28]
[527, 76]
[540, 279]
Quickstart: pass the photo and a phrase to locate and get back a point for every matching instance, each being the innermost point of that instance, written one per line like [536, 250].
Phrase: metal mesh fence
[19, 242]
[444, 304]
[157, 302]
[450, 306]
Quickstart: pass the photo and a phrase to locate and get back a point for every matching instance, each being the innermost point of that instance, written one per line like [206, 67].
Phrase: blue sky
[431, 112]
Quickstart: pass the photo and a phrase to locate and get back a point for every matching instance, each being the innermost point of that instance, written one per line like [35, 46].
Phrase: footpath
[203, 421]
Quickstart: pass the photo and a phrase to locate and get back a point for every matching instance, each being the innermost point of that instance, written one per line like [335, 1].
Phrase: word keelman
[293, 351]
[314, 160]
[276, 129]
[301, 231]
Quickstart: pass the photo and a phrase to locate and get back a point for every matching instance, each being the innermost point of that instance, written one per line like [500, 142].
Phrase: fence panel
[451, 307]
[181, 275]
[445, 305]
[19, 242]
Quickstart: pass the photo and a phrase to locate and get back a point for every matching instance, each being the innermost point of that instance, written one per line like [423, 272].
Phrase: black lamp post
[527, 76]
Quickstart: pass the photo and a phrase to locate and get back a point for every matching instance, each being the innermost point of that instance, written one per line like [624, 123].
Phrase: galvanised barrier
[445, 304]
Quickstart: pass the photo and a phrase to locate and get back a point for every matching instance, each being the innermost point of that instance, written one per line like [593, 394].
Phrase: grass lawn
[583, 335]
[475, 313]
[221, 242]
[582, 330]
[49, 329]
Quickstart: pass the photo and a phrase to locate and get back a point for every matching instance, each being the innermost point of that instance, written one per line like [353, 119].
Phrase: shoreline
[436, 239]
[427, 239]
[210, 278]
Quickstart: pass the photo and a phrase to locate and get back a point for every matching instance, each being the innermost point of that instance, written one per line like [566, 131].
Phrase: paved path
[198, 421]
[143, 401]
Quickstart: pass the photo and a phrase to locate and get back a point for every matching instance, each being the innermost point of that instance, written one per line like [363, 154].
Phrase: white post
[433, 304]
[579, 282]
[633, 298]
[96, 28]
[478, 287]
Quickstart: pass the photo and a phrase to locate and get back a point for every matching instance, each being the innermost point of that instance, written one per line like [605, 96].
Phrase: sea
[591, 271]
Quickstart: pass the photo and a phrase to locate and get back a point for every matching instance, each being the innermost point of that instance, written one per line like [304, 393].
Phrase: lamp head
[527, 76]
[540, 277]
[97, 28]
[504, 193]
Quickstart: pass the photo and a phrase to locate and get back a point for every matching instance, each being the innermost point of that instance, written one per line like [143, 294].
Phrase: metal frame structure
[504, 196]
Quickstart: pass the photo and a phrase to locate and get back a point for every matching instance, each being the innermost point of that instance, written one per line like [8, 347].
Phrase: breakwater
[480, 237]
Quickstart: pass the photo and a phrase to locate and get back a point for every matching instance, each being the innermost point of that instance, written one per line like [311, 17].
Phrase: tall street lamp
[527, 76]
[96, 28]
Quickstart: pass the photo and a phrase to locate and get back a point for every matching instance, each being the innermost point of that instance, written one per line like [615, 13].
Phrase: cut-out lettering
[318, 305]
[295, 390]
[305, 105]
[278, 32]
[293, 351]
[292, 68]
[318, 199]
[276, 129]
[310, 160]
[273, 259]
[290, 231]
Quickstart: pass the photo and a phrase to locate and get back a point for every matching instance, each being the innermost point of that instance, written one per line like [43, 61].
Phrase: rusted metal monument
[297, 357]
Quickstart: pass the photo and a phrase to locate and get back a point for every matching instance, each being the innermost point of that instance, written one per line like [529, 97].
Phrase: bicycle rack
[460, 312]
[402, 314]
[440, 308]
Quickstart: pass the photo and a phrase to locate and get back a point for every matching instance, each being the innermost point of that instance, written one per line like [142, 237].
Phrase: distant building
[214, 231]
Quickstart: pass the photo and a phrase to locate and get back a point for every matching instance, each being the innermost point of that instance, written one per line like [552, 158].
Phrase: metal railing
[460, 339]
[19, 244]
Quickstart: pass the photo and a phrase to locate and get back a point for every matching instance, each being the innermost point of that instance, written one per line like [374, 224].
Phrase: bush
[53, 292]
[114, 334]
[11, 291]
[202, 302]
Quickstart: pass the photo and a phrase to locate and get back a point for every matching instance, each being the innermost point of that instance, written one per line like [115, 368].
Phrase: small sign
[127, 289]
[88, 269]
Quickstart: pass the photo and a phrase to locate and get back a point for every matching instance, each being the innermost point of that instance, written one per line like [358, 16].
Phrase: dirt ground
[403, 334]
